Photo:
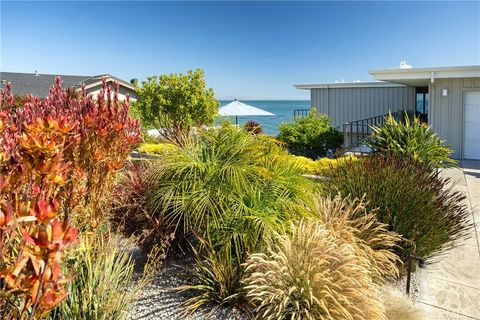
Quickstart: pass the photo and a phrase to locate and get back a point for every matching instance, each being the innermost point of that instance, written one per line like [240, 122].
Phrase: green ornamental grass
[411, 198]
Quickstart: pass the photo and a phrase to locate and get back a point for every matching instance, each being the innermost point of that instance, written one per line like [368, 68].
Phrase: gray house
[447, 98]
[37, 84]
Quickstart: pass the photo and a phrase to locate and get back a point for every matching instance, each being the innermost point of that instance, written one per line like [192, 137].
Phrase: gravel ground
[160, 301]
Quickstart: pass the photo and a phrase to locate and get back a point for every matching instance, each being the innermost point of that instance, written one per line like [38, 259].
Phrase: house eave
[406, 76]
[377, 84]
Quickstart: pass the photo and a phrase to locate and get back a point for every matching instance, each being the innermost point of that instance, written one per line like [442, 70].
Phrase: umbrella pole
[236, 120]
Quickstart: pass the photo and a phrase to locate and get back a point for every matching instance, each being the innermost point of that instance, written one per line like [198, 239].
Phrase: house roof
[376, 84]
[39, 84]
[418, 76]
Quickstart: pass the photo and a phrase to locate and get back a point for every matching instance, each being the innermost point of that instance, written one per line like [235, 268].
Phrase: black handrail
[299, 113]
[356, 132]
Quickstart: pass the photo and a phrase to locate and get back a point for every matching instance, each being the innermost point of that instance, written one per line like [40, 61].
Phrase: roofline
[434, 69]
[397, 75]
[46, 74]
[376, 84]
[108, 78]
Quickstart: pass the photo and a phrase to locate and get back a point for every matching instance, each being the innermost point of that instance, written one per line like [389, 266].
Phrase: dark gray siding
[350, 104]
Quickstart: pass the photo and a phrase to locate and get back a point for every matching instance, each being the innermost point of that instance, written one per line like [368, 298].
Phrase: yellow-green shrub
[324, 164]
[157, 148]
[318, 167]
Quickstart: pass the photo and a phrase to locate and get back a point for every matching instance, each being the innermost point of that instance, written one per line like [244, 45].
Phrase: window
[422, 103]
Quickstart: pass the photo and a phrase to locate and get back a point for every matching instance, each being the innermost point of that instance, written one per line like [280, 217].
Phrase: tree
[175, 103]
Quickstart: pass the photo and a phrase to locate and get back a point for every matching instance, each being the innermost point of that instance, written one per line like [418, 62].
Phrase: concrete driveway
[450, 289]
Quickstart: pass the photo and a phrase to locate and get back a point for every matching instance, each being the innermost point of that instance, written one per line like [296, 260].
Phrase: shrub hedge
[311, 136]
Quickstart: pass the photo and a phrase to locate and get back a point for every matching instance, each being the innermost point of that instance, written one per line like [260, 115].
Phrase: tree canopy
[175, 103]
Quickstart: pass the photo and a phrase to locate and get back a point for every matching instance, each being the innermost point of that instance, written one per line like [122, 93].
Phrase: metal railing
[299, 113]
[356, 132]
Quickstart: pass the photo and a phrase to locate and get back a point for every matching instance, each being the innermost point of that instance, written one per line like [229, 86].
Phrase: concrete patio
[450, 289]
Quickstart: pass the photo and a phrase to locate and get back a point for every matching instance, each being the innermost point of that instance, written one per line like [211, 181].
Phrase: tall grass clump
[412, 139]
[416, 202]
[350, 220]
[217, 279]
[230, 187]
[311, 273]
[104, 285]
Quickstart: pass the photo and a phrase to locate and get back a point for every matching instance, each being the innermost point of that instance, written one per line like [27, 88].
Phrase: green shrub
[157, 148]
[217, 278]
[411, 139]
[312, 273]
[232, 188]
[104, 286]
[412, 199]
[311, 136]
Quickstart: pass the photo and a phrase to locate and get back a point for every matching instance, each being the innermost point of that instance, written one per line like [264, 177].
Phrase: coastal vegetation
[413, 139]
[58, 162]
[260, 226]
[411, 198]
[175, 103]
[311, 136]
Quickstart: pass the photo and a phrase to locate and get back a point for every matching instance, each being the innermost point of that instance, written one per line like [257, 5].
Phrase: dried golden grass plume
[312, 273]
[349, 220]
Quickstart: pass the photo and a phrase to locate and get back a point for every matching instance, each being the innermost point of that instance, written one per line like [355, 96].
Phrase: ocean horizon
[283, 110]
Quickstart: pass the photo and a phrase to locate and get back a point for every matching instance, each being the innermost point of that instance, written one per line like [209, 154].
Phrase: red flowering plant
[58, 160]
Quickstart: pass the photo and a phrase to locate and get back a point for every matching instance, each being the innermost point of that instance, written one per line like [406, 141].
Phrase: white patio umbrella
[237, 108]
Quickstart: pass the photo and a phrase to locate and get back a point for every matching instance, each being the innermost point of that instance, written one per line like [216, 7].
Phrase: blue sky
[249, 50]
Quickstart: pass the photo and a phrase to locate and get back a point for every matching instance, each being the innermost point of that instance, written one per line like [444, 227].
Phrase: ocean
[283, 110]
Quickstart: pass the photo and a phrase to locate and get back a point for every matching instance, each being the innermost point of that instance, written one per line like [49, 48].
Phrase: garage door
[472, 125]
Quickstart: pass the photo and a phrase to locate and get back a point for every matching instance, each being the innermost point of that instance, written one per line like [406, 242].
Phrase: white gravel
[160, 301]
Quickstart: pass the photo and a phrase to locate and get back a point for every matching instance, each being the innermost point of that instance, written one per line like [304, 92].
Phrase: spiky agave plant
[312, 274]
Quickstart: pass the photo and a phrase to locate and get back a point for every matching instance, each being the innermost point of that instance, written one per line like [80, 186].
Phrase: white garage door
[472, 125]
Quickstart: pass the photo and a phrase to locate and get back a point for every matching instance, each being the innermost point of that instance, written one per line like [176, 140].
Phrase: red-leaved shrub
[58, 160]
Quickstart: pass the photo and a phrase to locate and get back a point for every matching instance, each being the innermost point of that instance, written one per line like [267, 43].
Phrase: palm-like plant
[413, 139]
[232, 188]
[229, 183]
